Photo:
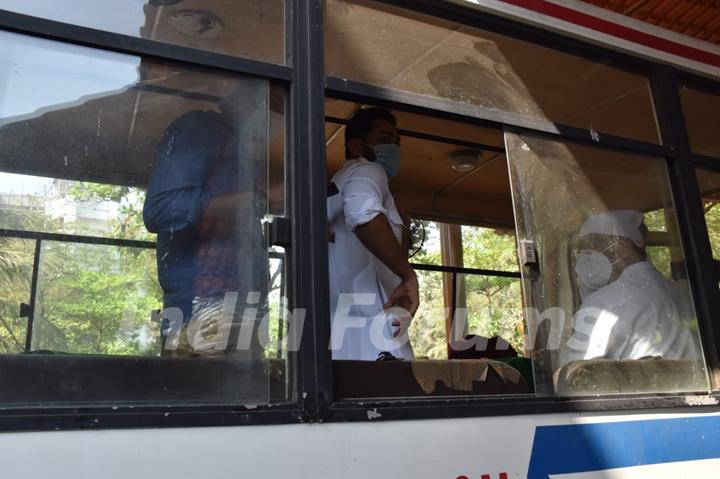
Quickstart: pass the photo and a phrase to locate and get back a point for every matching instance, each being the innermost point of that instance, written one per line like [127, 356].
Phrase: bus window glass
[131, 225]
[607, 300]
[469, 317]
[709, 185]
[253, 29]
[702, 120]
[17, 257]
[394, 48]
[659, 253]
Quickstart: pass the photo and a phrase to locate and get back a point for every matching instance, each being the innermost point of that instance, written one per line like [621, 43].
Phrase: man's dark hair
[362, 122]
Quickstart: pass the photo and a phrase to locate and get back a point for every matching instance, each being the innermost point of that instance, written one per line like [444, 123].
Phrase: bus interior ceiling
[427, 184]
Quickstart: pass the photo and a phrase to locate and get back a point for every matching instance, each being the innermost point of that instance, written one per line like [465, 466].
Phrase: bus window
[17, 255]
[709, 185]
[378, 44]
[489, 305]
[462, 249]
[247, 28]
[131, 220]
[702, 120]
[607, 297]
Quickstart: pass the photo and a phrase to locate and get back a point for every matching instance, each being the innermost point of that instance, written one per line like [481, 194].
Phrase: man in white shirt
[629, 310]
[373, 288]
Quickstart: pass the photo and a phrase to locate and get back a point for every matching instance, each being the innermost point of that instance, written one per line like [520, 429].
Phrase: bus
[165, 172]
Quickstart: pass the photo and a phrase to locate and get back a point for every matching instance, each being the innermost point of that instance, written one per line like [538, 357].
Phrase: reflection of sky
[120, 16]
[23, 184]
[37, 74]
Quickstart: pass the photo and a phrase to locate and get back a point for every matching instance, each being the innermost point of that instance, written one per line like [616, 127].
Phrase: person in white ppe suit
[629, 310]
[373, 288]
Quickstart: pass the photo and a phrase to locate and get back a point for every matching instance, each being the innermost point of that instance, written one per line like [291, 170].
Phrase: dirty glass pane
[96, 299]
[56, 205]
[278, 320]
[16, 267]
[253, 29]
[386, 46]
[709, 185]
[702, 119]
[146, 185]
[608, 307]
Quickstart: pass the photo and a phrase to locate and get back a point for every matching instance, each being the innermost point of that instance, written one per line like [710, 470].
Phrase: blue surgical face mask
[388, 156]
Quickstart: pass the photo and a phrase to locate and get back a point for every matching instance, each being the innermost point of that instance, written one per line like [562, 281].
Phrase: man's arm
[405, 217]
[191, 146]
[377, 236]
[218, 217]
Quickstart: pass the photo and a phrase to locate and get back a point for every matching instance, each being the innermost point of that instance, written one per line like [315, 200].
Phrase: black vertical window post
[33, 295]
[691, 220]
[309, 235]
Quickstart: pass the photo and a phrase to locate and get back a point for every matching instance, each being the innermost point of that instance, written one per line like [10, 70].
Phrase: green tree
[16, 268]
[98, 300]
[712, 218]
[90, 298]
[493, 303]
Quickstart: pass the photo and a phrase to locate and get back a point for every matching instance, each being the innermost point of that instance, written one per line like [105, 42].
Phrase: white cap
[623, 223]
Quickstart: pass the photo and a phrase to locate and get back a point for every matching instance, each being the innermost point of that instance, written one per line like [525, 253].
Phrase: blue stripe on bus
[597, 447]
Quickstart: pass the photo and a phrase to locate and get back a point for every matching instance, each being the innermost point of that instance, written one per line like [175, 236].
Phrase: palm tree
[16, 268]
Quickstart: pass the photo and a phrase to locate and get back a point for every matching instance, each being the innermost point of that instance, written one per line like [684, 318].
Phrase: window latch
[278, 232]
[528, 254]
[25, 310]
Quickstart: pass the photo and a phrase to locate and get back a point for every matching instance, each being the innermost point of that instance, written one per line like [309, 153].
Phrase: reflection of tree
[90, 298]
[16, 264]
[98, 301]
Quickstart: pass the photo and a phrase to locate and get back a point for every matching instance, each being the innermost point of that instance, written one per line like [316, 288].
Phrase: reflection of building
[21, 202]
[93, 215]
[57, 204]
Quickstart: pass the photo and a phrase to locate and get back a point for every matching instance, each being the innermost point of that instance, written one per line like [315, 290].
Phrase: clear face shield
[598, 260]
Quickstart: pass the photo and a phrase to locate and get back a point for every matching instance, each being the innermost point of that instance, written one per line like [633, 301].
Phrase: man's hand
[406, 295]
[378, 238]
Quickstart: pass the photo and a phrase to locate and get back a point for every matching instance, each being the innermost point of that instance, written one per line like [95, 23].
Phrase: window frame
[706, 86]
[307, 86]
[674, 150]
[303, 84]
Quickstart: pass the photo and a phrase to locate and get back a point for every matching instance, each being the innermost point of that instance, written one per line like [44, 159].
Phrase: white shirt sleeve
[364, 193]
[594, 334]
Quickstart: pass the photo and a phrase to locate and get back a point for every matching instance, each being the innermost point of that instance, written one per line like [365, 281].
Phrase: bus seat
[606, 376]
